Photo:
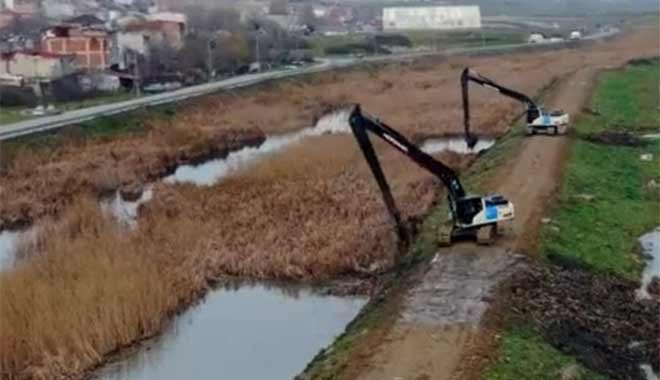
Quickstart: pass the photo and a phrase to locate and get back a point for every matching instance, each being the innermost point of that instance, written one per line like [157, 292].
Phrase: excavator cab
[537, 120]
[533, 113]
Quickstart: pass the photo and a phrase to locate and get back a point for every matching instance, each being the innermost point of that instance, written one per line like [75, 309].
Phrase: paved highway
[48, 123]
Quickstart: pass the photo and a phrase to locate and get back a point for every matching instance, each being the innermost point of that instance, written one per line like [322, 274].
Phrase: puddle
[455, 144]
[648, 372]
[126, 212]
[211, 172]
[253, 332]
[9, 245]
[651, 246]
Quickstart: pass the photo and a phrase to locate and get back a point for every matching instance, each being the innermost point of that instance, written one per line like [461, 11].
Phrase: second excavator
[538, 120]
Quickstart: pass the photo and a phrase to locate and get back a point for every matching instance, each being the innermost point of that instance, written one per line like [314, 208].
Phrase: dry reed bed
[308, 214]
[422, 99]
[93, 290]
[312, 212]
[38, 185]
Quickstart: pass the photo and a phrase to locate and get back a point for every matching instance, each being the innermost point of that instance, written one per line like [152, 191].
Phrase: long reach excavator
[472, 215]
[538, 120]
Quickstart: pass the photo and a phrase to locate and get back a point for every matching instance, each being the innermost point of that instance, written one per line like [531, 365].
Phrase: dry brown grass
[91, 289]
[312, 212]
[307, 214]
[38, 185]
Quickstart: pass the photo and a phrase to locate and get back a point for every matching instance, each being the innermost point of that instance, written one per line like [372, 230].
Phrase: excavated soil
[615, 138]
[595, 317]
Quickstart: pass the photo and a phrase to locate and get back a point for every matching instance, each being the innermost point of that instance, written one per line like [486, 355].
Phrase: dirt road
[440, 316]
[532, 178]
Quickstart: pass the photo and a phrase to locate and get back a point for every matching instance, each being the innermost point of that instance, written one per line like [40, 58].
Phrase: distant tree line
[219, 41]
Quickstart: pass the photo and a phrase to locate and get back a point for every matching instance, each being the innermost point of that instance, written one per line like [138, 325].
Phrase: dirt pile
[594, 317]
[654, 287]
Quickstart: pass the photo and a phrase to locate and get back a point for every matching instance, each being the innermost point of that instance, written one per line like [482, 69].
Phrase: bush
[67, 89]
[356, 48]
[17, 96]
[393, 40]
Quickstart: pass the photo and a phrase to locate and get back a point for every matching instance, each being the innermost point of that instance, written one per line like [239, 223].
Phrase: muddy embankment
[597, 318]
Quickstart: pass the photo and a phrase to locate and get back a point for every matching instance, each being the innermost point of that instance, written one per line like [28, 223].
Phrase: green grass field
[525, 356]
[601, 232]
[429, 39]
[10, 115]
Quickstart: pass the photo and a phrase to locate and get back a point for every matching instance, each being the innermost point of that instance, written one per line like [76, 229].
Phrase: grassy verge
[444, 40]
[605, 203]
[89, 131]
[429, 39]
[526, 356]
[10, 115]
[603, 207]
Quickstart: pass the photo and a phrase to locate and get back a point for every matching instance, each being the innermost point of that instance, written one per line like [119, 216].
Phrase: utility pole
[136, 74]
[209, 65]
[258, 54]
[258, 30]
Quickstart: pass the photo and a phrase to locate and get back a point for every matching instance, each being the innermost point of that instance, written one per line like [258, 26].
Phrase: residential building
[27, 7]
[34, 65]
[137, 35]
[168, 26]
[7, 17]
[432, 18]
[125, 44]
[58, 9]
[85, 37]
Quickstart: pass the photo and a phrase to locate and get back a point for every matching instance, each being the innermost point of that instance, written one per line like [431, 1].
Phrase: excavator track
[486, 234]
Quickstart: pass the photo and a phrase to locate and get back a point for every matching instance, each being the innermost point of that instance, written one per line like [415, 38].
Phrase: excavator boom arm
[468, 76]
[361, 123]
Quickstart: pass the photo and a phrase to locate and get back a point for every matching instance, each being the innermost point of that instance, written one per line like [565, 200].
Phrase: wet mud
[615, 138]
[595, 317]
[459, 286]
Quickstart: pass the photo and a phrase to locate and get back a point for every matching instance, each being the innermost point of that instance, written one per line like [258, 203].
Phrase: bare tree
[202, 19]
[307, 16]
[279, 7]
[25, 25]
[162, 59]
